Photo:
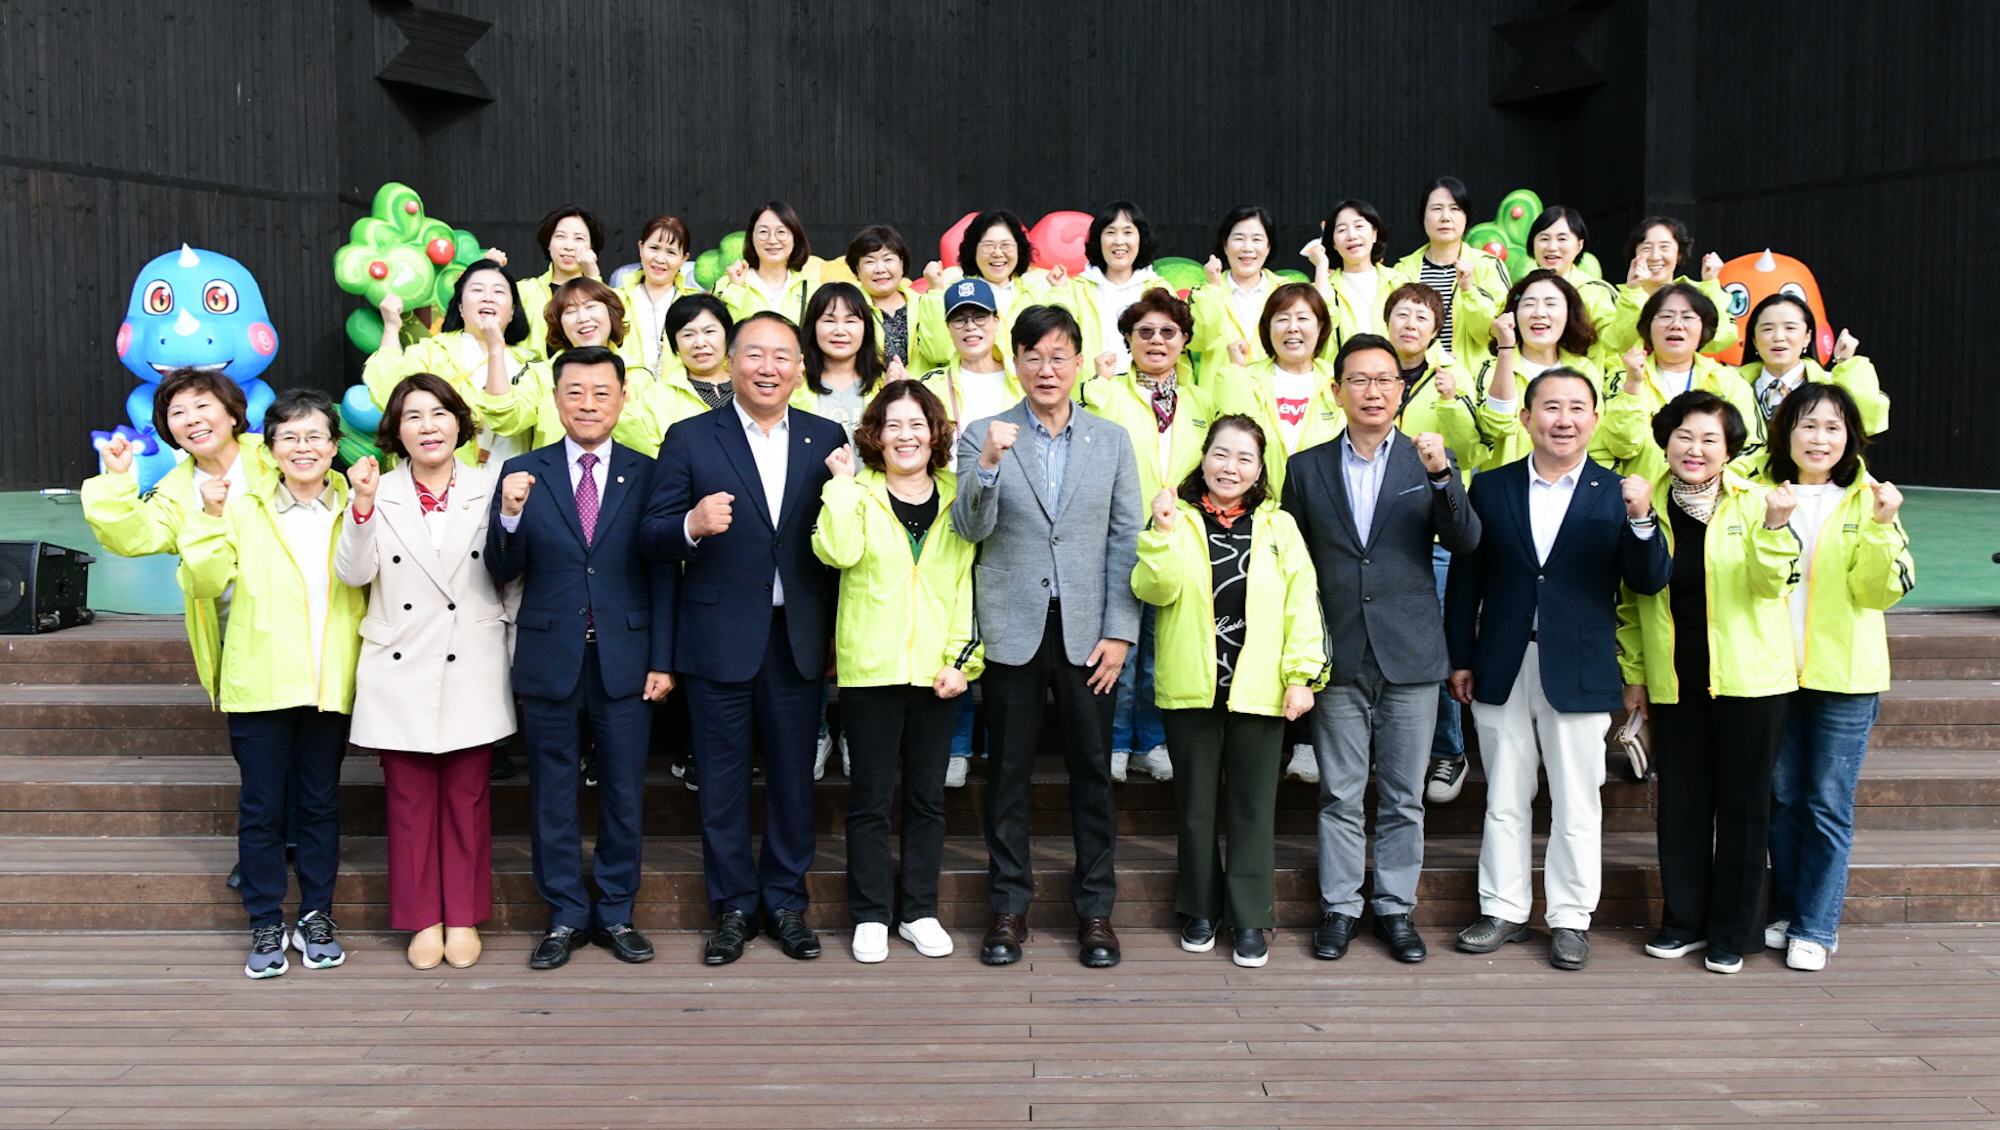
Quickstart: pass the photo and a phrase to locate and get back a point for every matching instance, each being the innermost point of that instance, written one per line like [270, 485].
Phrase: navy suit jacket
[723, 623]
[1493, 593]
[568, 582]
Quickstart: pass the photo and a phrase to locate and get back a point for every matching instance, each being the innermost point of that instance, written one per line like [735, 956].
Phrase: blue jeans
[1135, 717]
[1448, 743]
[1812, 808]
[961, 735]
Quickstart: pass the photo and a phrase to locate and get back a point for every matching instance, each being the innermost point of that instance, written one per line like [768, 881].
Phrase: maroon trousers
[440, 837]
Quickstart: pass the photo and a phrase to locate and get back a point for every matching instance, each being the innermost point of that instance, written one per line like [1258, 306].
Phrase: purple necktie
[586, 496]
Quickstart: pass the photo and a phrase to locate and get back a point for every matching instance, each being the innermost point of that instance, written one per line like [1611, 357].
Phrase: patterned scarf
[1697, 502]
[1163, 400]
[428, 503]
[1223, 518]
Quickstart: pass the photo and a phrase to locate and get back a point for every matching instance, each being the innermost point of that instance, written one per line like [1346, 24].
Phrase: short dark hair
[585, 355]
[1422, 295]
[1780, 298]
[1379, 250]
[297, 404]
[1559, 212]
[1196, 484]
[1557, 373]
[688, 307]
[873, 238]
[1037, 322]
[1698, 402]
[868, 433]
[546, 230]
[1803, 399]
[576, 292]
[1360, 343]
[801, 247]
[454, 317]
[1674, 227]
[1093, 244]
[968, 244]
[1578, 335]
[389, 433]
[199, 380]
[1157, 300]
[1453, 185]
[1703, 308]
[767, 316]
[868, 363]
[673, 227]
[1282, 297]
[1236, 216]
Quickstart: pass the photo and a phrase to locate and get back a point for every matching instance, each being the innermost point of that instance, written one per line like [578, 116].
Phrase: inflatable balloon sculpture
[190, 309]
[1506, 235]
[1750, 279]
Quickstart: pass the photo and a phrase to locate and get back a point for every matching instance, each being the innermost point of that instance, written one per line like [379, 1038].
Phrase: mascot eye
[159, 298]
[1739, 299]
[1793, 289]
[219, 297]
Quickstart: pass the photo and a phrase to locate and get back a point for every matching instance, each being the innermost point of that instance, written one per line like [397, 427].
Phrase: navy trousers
[620, 730]
[305, 745]
[775, 714]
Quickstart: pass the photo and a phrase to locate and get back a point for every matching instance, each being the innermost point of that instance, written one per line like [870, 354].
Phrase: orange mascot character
[1749, 279]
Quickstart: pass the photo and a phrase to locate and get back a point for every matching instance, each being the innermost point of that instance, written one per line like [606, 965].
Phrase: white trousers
[1515, 738]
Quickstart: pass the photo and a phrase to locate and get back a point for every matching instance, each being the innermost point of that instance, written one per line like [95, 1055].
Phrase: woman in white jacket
[431, 691]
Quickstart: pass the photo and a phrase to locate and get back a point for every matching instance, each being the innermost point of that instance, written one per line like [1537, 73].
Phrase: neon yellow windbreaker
[1349, 319]
[746, 298]
[1216, 324]
[1084, 295]
[1031, 289]
[1250, 392]
[1489, 275]
[1856, 375]
[1456, 419]
[1625, 432]
[947, 382]
[905, 612]
[641, 346]
[1860, 569]
[1284, 635]
[1164, 458]
[1472, 313]
[1620, 332]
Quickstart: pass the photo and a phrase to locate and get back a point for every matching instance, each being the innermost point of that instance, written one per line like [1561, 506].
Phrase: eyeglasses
[1157, 333]
[1044, 364]
[294, 439]
[1361, 384]
[969, 318]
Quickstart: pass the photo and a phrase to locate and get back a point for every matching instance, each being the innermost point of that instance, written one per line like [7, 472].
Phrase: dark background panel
[1856, 137]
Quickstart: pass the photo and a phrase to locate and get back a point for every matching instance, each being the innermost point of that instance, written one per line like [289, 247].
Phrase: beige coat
[433, 675]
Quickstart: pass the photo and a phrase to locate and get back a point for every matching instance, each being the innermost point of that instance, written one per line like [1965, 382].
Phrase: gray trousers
[1395, 721]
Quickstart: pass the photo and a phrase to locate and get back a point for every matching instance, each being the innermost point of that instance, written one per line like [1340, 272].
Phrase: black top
[916, 517]
[896, 336]
[715, 394]
[1229, 567]
[1687, 597]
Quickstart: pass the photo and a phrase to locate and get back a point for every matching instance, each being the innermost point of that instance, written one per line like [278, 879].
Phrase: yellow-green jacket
[1489, 275]
[1506, 440]
[1856, 375]
[1621, 331]
[1625, 431]
[1284, 635]
[1216, 324]
[1456, 419]
[913, 307]
[1165, 458]
[905, 613]
[1031, 289]
[262, 668]
[660, 405]
[528, 409]
[641, 348]
[1860, 569]
[1250, 392]
[746, 298]
[1472, 313]
[1748, 572]
[1084, 294]
[133, 525]
[947, 382]
[1349, 320]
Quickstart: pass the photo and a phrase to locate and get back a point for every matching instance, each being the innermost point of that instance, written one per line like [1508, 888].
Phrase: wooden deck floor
[162, 1030]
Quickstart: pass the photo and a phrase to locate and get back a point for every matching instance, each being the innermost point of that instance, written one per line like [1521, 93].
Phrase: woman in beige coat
[431, 692]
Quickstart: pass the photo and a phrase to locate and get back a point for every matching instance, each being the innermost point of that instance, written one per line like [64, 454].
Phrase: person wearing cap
[975, 383]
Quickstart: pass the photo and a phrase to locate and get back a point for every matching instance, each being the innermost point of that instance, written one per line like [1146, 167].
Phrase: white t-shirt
[1673, 384]
[1815, 504]
[985, 394]
[239, 482]
[1112, 300]
[1003, 294]
[1361, 288]
[1249, 305]
[1293, 392]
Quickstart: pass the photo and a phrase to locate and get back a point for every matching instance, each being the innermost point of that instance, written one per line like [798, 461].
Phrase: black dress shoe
[235, 879]
[1335, 931]
[1098, 944]
[1568, 949]
[1252, 949]
[625, 943]
[1198, 936]
[1002, 944]
[553, 951]
[732, 930]
[1405, 944]
[501, 768]
[797, 938]
[1489, 932]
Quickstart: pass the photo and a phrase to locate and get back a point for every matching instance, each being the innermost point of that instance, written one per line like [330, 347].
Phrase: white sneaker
[820, 755]
[1156, 763]
[1304, 766]
[1774, 934]
[954, 772]
[1120, 758]
[1802, 954]
[927, 935]
[871, 942]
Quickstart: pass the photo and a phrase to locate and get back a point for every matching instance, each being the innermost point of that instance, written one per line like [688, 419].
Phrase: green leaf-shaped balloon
[1517, 213]
[1181, 273]
[364, 329]
[708, 268]
[397, 249]
[731, 248]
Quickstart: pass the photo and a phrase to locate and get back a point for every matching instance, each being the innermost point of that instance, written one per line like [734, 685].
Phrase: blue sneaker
[314, 940]
[267, 953]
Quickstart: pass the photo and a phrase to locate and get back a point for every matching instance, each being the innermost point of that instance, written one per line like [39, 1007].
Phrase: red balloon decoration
[440, 250]
[953, 236]
[1059, 238]
[378, 270]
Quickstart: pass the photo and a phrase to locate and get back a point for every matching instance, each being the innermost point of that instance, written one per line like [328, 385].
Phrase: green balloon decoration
[1181, 273]
[712, 266]
[1290, 275]
[397, 249]
[1507, 235]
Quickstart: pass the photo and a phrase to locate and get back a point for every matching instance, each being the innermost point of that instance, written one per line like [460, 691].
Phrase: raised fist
[1000, 435]
[514, 492]
[710, 516]
[214, 493]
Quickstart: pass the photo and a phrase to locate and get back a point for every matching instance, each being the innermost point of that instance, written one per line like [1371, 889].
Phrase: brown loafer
[1099, 945]
[1002, 945]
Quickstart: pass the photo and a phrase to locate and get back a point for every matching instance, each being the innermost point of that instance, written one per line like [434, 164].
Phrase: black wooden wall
[1857, 137]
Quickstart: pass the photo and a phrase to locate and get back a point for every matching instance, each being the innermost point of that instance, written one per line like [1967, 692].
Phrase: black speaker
[43, 587]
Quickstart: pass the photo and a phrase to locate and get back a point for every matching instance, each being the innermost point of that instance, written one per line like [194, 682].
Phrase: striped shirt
[1444, 280]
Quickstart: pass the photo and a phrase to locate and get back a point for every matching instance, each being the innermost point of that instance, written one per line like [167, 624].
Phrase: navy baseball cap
[970, 292]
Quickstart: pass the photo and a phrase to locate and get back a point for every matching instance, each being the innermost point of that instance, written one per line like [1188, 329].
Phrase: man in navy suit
[1531, 621]
[594, 644]
[735, 501]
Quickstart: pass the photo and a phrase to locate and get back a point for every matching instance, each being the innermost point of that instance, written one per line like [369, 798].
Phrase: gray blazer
[1383, 593]
[1091, 543]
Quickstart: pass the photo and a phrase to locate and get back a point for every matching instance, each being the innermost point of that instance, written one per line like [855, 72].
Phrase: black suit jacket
[1383, 593]
[725, 596]
[1494, 593]
[569, 583]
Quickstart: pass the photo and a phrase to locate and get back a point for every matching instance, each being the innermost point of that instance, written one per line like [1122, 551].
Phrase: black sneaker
[1252, 949]
[589, 769]
[1198, 936]
[1445, 782]
[267, 952]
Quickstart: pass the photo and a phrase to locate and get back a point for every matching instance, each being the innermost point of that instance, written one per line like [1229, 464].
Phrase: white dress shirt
[1785, 383]
[773, 453]
[1364, 481]
[1548, 502]
[572, 455]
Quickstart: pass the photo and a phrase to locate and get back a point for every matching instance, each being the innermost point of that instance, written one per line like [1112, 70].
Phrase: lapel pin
[621, 479]
[809, 439]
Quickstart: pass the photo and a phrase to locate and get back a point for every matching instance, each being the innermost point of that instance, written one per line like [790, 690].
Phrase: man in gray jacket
[1051, 495]
[1369, 505]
